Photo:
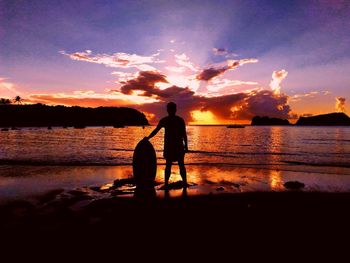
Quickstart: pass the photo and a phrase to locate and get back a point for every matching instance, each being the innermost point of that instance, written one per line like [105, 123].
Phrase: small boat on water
[118, 126]
[235, 126]
[4, 129]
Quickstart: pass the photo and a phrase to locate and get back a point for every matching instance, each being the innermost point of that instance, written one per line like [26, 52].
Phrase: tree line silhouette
[40, 115]
[17, 99]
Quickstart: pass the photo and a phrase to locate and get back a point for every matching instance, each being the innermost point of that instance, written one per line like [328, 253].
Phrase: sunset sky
[220, 61]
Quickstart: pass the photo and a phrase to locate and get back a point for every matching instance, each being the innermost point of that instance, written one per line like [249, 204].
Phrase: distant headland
[40, 115]
[330, 119]
[267, 121]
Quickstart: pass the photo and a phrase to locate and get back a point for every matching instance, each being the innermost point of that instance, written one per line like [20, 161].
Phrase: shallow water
[258, 158]
[279, 146]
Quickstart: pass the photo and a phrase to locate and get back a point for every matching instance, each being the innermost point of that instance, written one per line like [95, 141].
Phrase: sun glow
[203, 117]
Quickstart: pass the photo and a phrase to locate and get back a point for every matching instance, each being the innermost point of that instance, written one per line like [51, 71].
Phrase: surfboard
[144, 163]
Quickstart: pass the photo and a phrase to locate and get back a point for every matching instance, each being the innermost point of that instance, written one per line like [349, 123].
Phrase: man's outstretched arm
[154, 132]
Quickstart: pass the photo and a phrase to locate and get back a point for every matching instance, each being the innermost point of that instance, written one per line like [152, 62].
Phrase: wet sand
[18, 182]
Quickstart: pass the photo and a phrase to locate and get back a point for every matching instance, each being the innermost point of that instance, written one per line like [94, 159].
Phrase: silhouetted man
[175, 142]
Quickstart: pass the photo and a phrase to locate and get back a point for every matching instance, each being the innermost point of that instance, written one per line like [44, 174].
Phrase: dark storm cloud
[209, 73]
[145, 81]
[212, 72]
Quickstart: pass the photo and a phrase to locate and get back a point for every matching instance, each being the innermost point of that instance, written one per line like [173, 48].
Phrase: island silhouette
[330, 119]
[258, 121]
[40, 115]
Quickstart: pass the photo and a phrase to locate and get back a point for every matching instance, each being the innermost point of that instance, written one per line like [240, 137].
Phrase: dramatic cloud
[223, 99]
[213, 72]
[277, 77]
[145, 85]
[340, 104]
[263, 103]
[116, 60]
[240, 106]
[220, 51]
[145, 82]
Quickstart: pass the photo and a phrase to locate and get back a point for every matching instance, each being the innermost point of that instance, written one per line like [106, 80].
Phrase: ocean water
[215, 145]
[33, 158]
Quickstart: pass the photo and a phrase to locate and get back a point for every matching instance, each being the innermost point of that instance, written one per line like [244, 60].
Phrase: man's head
[171, 108]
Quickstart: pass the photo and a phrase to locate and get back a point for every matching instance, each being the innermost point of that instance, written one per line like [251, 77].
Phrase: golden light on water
[275, 180]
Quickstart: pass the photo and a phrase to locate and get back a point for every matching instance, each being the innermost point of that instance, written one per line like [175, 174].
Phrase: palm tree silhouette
[18, 100]
[5, 101]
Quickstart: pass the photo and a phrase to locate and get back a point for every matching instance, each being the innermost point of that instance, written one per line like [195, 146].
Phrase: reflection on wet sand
[202, 179]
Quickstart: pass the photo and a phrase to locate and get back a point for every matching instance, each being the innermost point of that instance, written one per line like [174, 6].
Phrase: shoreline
[25, 181]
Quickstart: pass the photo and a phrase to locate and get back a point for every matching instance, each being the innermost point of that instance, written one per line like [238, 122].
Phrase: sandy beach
[203, 225]
[75, 209]
[48, 197]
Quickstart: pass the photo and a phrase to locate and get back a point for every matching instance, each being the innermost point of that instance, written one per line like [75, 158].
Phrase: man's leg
[183, 170]
[167, 172]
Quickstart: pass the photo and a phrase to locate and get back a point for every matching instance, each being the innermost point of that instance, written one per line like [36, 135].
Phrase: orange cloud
[340, 104]
[74, 101]
[88, 98]
[277, 77]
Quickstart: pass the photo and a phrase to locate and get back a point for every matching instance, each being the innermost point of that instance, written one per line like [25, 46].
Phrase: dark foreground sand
[221, 224]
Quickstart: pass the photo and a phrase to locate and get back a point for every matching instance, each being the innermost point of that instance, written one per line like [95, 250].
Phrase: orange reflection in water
[275, 180]
[275, 140]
